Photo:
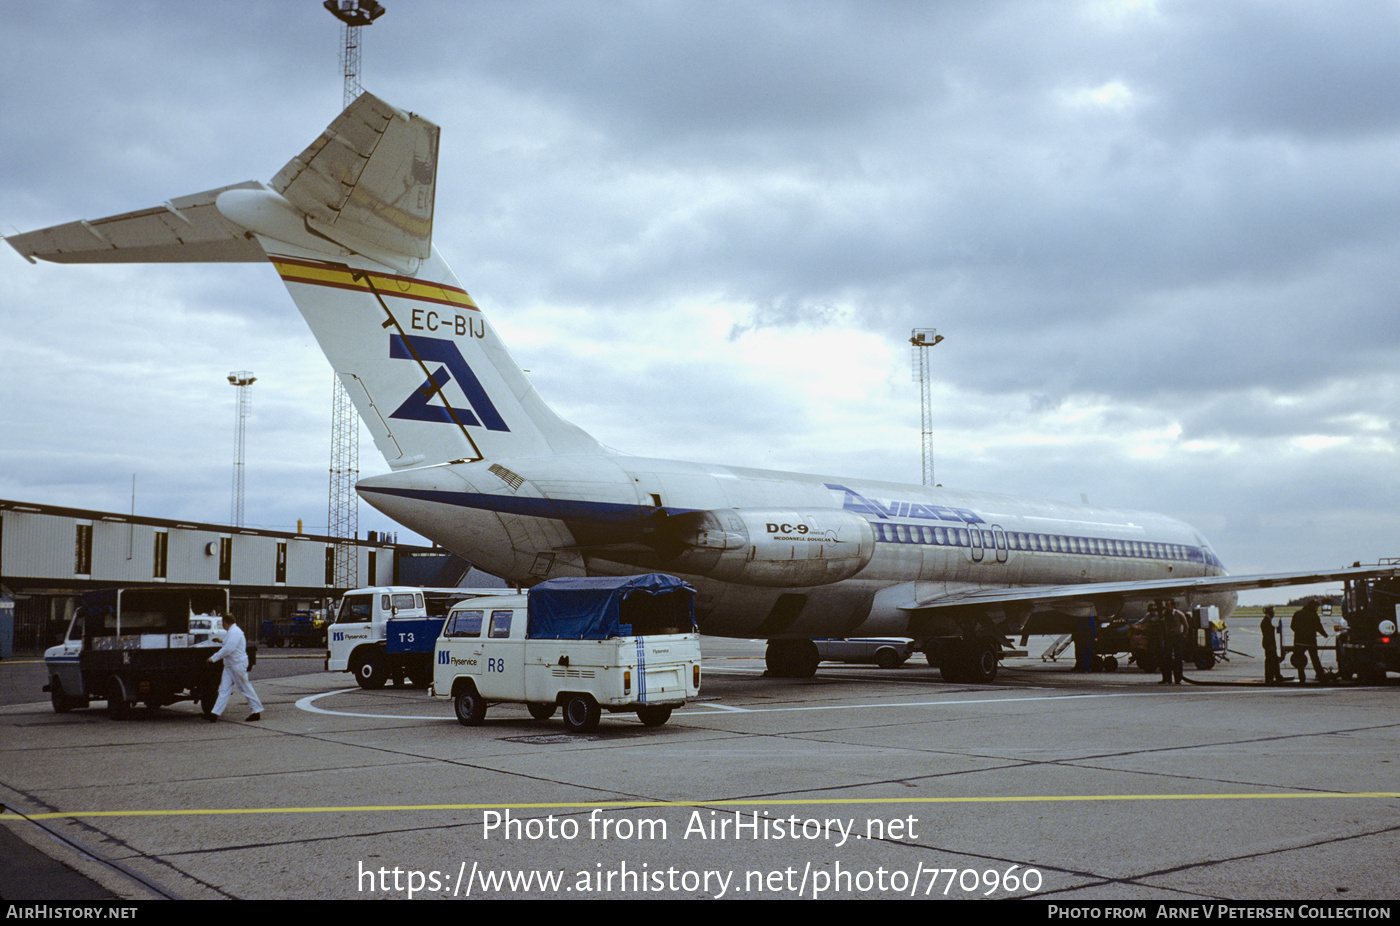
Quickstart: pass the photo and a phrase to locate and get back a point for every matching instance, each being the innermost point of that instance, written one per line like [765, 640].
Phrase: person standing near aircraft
[234, 655]
[1173, 641]
[1306, 625]
[1272, 675]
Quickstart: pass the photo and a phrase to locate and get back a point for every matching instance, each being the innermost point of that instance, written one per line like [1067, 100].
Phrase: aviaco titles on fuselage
[480, 464]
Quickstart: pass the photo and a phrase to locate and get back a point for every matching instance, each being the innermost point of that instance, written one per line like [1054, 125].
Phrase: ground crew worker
[1272, 675]
[1173, 642]
[234, 655]
[1306, 625]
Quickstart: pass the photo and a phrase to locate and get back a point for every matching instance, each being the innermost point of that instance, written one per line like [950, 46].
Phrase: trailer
[1207, 641]
[130, 646]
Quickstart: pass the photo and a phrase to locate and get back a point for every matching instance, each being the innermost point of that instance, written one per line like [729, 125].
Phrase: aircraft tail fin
[348, 226]
[426, 371]
[370, 180]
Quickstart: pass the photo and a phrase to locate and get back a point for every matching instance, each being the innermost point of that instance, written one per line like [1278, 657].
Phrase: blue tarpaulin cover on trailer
[599, 608]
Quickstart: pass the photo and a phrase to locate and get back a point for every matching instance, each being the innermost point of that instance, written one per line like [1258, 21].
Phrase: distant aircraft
[481, 465]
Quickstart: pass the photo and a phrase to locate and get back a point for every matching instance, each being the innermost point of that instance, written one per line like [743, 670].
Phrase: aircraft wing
[1107, 597]
[187, 229]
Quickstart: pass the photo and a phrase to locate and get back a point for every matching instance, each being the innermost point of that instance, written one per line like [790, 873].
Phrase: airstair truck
[622, 645]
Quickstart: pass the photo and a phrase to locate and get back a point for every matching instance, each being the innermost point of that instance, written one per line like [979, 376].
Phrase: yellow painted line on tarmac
[746, 802]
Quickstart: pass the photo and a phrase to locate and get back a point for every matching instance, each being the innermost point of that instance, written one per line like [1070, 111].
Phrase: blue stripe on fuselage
[558, 509]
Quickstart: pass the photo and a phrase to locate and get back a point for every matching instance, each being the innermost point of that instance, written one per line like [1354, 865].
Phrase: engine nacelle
[771, 547]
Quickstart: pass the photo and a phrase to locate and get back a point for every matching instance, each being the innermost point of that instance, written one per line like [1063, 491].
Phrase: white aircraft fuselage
[796, 564]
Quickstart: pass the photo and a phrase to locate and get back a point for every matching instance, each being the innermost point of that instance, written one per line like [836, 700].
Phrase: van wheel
[369, 670]
[581, 714]
[541, 711]
[470, 706]
[653, 716]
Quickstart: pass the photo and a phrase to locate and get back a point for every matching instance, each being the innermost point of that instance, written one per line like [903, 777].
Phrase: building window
[225, 559]
[281, 562]
[162, 554]
[82, 550]
[330, 567]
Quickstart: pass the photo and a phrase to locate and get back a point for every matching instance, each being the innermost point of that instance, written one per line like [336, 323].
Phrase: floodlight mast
[241, 379]
[922, 339]
[343, 508]
[353, 14]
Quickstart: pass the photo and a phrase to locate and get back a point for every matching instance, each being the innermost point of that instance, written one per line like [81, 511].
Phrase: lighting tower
[922, 339]
[343, 509]
[241, 379]
[353, 14]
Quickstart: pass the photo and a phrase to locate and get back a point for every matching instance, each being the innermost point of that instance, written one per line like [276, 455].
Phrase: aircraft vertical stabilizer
[348, 226]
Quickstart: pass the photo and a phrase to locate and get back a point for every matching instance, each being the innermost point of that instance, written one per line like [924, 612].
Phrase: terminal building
[50, 555]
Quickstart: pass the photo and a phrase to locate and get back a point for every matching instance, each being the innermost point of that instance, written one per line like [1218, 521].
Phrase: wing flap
[187, 229]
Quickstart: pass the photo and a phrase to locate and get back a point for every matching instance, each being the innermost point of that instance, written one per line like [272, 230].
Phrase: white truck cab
[588, 645]
[355, 643]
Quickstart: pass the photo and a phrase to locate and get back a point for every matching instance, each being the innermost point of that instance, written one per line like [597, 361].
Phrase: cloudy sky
[1160, 239]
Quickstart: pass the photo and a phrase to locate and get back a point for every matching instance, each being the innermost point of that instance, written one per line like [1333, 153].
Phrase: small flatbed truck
[625, 645]
[131, 646]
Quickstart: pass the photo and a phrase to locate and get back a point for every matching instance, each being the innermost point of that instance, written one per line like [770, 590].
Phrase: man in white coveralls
[234, 655]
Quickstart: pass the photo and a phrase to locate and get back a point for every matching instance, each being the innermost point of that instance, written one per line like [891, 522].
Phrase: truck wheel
[1205, 661]
[653, 716]
[62, 704]
[1372, 674]
[581, 714]
[541, 711]
[117, 708]
[369, 670]
[470, 706]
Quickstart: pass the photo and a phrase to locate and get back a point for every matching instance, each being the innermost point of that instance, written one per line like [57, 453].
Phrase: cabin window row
[1028, 542]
